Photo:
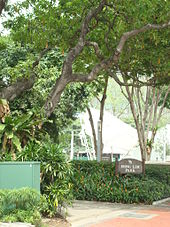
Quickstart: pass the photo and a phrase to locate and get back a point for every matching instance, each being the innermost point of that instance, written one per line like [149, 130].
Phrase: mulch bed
[55, 222]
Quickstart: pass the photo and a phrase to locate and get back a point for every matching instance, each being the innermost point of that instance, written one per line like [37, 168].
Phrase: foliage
[20, 205]
[17, 130]
[56, 172]
[59, 24]
[163, 92]
[97, 181]
[159, 172]
[16, 62]
[51, 24]
[40, 24]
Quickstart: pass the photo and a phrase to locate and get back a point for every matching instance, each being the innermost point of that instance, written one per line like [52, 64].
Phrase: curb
[160, 201]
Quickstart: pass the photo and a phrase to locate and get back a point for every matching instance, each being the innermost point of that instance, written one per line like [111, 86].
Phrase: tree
[144, 73]
[102, 28]
[14, 62]
[144, 103]
[101, 116]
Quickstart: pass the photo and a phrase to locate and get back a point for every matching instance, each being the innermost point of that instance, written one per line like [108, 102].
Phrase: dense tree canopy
[96, 36]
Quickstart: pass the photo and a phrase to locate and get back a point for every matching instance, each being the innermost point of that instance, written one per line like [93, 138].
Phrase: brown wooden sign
[126, 166]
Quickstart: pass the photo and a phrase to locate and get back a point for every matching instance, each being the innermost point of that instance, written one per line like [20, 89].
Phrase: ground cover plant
[20, 205]
[97, 181]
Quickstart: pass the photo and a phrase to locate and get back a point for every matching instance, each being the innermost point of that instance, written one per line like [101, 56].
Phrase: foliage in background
[97, 181]
[20, 205]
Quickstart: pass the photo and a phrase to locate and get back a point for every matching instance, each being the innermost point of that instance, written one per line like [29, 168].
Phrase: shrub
[159, 172]
[20, 205]
[97, 181]
[56, 171]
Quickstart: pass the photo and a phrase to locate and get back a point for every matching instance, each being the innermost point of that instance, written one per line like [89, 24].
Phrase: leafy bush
[97, 181]
[159, 172]
[16, 130]
[56, 171]
[20, 205]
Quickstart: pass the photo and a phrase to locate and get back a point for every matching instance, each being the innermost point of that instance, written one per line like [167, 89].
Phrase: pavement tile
[100, 214]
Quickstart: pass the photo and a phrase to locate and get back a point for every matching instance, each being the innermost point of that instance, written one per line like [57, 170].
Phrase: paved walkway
[17, 224]
[100, 214]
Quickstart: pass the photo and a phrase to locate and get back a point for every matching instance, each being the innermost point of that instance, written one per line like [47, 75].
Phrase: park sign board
[126, 166]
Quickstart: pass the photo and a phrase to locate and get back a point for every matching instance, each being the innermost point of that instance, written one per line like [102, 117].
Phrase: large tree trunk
[55, 95]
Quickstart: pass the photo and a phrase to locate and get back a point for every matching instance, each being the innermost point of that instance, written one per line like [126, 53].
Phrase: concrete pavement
[16, 224]
[101, 214]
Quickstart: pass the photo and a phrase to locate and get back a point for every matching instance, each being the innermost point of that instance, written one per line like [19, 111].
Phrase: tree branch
[113, 60]
[42, 53]
[96, 49]
[16, 89]
[135, 32]
[69, 76]
[164, 101]
[74, 52]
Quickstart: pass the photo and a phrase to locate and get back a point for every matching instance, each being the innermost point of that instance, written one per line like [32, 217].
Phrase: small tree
[101, 116]
[144, 103]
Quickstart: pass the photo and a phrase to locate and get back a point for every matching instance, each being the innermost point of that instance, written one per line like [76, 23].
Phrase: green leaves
[16, 142]
[97, 181]
[20, 205]
[18, 129]
[56, 171]
[2, 126]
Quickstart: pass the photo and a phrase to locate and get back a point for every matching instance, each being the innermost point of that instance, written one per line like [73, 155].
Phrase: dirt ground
[55, 222]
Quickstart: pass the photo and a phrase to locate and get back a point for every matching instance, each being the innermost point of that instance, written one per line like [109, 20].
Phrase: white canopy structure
[118, 137]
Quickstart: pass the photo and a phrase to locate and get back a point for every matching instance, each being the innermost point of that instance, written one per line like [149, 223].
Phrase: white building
[121, 138]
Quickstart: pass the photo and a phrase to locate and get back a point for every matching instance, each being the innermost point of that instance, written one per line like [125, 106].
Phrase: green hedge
[159, 172]
[97, 181]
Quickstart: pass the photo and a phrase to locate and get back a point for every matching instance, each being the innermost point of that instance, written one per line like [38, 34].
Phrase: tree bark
[146, 115]
[2, 5]
[69, 76]
[102, 104]
[16, 89]
[93, 129]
